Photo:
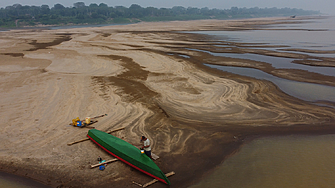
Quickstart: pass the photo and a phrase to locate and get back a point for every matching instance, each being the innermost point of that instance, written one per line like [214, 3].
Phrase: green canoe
[127, 153]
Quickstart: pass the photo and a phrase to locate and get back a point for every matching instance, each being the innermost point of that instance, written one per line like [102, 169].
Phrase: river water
[284, 161]
[313, 34]
[272, 162]
[302, 90]
[278, 162]
[13, 181]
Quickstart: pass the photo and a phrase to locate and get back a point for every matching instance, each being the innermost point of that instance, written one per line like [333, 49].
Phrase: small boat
[127, 153]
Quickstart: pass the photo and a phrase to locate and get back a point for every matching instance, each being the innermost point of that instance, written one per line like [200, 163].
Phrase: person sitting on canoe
[146, 146]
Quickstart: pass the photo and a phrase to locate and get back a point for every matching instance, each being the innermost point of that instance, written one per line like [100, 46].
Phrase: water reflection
[315, 34]
[278, 162]
[305, 91]
[290, 161]
[276, 62]
[280, 62]
[13, 181]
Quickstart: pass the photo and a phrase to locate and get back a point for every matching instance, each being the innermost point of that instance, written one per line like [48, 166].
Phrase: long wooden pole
[82, 140]
[109, 161]
[155, 180]
[137, 184]
[116, 130]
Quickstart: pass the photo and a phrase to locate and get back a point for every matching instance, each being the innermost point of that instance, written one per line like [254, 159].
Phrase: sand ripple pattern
[47, 78]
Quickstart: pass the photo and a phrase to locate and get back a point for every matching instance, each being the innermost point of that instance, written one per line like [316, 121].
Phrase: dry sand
[194, 115]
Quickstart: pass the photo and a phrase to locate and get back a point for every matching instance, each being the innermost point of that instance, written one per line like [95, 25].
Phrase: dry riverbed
[196, 116]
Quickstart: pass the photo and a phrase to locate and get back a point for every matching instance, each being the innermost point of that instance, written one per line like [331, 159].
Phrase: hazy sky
[325, 6]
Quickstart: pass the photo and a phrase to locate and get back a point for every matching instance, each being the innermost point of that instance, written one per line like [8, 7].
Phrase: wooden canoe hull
[127, 153]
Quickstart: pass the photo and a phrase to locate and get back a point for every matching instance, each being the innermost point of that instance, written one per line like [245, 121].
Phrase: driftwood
[154, 180]
[99, 116]
[109, 161]
[115, 130]
[137, 184]
[82, 140]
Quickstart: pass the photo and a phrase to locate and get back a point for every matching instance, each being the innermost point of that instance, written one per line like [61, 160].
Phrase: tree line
[19, 16]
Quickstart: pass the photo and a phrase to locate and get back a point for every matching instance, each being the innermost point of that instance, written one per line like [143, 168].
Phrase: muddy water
[314, 34]
[276, 62]
[288, 161]
[280, 62]
[13, 181]
[302, 90]
[277, 162]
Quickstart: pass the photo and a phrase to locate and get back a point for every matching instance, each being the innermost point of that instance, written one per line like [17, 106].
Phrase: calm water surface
[278, 162]
[317, 34]
[12, 181]
[287, 161]
[302, 90]
[280, 62]
[276, 62]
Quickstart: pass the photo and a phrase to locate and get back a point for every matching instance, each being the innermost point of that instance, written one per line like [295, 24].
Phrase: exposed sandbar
[195, 116]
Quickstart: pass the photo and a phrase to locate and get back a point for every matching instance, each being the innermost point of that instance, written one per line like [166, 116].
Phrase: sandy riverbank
[195, 116]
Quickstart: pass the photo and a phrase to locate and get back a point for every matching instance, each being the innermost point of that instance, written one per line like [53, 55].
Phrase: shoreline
[127, 72]
[14, 180]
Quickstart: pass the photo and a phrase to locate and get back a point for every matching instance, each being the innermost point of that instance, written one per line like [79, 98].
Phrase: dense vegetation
[18, 15]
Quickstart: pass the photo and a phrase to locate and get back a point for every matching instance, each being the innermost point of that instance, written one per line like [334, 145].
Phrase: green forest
[18, 15]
